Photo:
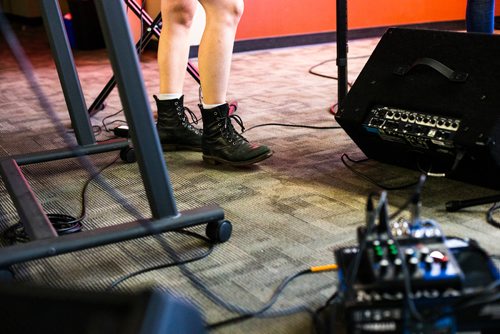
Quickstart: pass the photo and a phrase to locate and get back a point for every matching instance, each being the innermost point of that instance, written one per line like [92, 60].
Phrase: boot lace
[181, 112]
[228, 130]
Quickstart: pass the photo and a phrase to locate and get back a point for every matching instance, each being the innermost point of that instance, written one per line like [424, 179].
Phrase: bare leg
[216, 47]
[220, 142]
[174, 128]
[173, 49]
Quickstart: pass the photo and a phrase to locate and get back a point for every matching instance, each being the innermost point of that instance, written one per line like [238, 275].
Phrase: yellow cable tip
[327, 267]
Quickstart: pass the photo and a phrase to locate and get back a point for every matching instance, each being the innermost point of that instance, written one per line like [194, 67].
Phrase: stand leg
[98, 103]
[66, 69]
[453, 206]
[125, 64]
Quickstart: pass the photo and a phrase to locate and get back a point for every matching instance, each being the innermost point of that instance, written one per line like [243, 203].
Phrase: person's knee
[236, 10]
[179, 12]
[226, 11]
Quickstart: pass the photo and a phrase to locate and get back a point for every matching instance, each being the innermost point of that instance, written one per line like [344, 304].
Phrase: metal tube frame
[150, 158]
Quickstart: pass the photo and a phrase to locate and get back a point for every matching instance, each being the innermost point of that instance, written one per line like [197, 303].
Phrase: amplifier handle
[436, 65]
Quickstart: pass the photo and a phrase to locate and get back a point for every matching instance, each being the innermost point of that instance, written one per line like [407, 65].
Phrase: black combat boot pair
[219, 141]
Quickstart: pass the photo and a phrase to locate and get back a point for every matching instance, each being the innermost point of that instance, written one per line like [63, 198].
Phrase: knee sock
[172, 96]
[211, 106]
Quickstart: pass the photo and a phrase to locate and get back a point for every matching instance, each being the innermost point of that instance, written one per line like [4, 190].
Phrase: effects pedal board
[416, 250]
[405, 276]
[400, 253]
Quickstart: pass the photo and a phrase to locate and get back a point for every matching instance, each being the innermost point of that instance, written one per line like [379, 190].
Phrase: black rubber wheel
[219, 231]
[127, 154]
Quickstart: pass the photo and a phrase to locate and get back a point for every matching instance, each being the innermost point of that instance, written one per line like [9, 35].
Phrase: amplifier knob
[384, 265]
[413, 264]
[428, 263]
[424, 252]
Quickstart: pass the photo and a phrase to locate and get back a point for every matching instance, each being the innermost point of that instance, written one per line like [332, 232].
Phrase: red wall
[269, 18]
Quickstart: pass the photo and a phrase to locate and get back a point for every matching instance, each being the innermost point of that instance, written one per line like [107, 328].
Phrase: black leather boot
[221, 143]
[175, 131]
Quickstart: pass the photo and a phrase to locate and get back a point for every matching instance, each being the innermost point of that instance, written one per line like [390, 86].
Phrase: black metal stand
[453, 206]
[165, 216]
[153, 28]
[342, 49]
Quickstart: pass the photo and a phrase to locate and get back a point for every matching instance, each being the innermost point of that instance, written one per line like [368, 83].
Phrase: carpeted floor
[288, 213]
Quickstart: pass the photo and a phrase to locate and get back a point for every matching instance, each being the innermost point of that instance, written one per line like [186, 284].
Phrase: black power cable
[294, 126]
[333, 107]
[490, 215]
[345, 157]
[273, 298]
[62, 223]
[172, 264]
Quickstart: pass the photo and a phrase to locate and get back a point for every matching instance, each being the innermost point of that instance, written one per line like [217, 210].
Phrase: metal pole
[125, 64]
[342, 49]
[66, 69]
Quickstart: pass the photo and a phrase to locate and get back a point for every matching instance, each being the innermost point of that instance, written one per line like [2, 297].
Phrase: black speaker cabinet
[31, 309]
[430, 100]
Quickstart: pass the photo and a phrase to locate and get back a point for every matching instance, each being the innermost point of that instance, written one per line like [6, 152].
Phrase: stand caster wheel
[6, 275]
[219, 231]
[127, 154]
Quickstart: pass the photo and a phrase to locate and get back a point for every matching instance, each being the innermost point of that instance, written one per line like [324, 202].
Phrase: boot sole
[175, 147]
[216, 160]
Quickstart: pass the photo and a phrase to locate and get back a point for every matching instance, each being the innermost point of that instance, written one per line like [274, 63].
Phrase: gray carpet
[288, 212]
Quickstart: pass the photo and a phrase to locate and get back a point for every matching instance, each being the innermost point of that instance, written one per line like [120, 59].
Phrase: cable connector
[383, 224]
[416, 200]
[121, 131]
[327, 267]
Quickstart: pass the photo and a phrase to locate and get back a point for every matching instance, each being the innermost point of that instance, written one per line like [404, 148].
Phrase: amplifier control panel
[415, 128]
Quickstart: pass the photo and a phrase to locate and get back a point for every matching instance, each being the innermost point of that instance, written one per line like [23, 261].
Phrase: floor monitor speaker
[430, 100]
[29, 309]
